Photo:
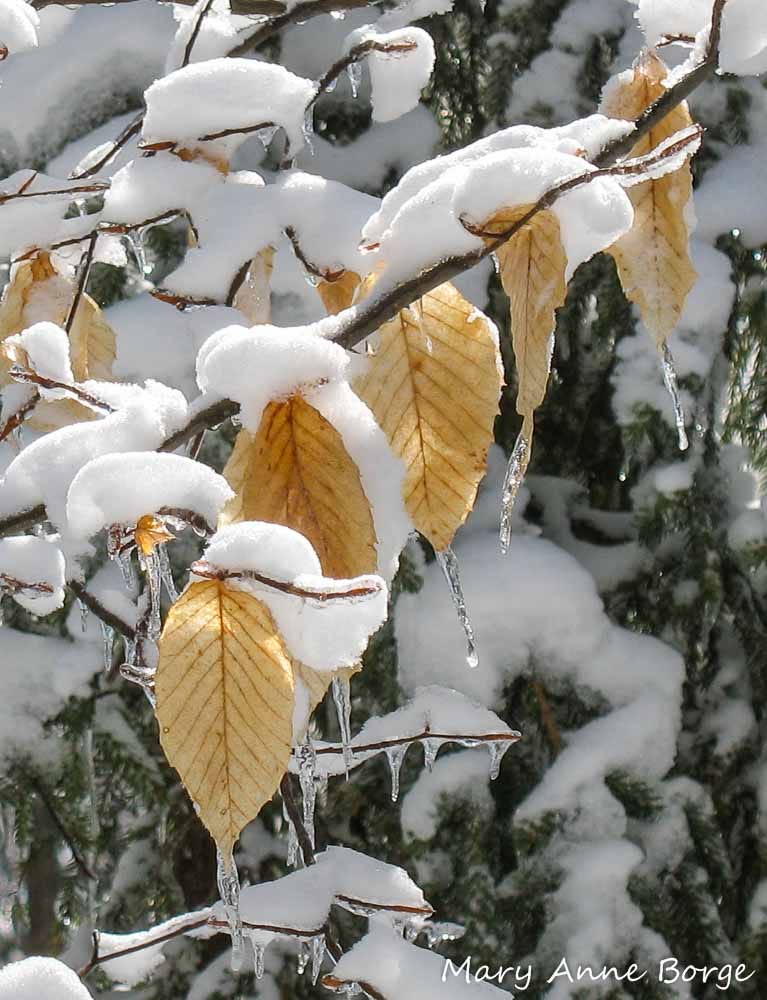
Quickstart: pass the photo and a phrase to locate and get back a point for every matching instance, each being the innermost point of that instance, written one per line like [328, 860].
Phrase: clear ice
[515, 473]
[307, 765]
[672, 386]
[354, 72]
[343, 703]
[229, 891]
[497, 750]
[449, 566]
[108, 643]
[395, 756]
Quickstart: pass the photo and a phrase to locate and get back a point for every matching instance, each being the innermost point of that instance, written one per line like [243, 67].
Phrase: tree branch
[93, 604]
[297, 15]
[204, 569]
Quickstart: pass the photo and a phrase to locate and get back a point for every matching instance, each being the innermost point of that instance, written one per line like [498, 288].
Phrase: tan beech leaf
[533, 267]
[151, 532]
[433, 385]
[339, 294]
[225, 692]
[318, 681]
[253, 295]
[296, 471]
[37, 292]
[653, 258]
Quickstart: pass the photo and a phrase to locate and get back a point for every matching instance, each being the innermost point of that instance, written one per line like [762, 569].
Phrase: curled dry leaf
[433, 385]
[253, 296]
[38, 292]
[296, 471]
[653, 258]
[339, 294]
[225, 693]
[151, 532]
[533, 267]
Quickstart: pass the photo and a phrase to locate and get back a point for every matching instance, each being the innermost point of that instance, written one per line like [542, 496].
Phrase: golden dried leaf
[296, 471]
[339, 294]
[37, 292]
[151, 532]
[253, 295]
[653, 259]
[533, 267]
[433, 386]
[225, 694]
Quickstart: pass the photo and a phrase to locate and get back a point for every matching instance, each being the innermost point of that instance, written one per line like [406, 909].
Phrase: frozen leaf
[224, 691]
[296, 471]
[653, 258]
[151, 532]
[533, 268]
[253, 296]
[433, 386]
[339, 294]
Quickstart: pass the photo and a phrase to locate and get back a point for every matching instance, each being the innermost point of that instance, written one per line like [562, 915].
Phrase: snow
[221, 94]
[34, 560]
[33, 222]
[218, 33]
[398, 969]
[40, 979]
[397, 77]
[18, 25]
[462, 774]
[44, 470]
[151, 186]
[38, 675]
[743, 47]
[419, 221]
[86, 62]
[323, 634]
[46, 347]
[265, 363]
[121, 488]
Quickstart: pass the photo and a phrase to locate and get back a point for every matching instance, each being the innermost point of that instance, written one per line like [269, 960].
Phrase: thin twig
[132, 128]
[82, 280]
[93, 604]
[195, 32]
[94, 187]
[209, 572]
[13, 585]
[369, 748]
[291, 807]
[356, 54]
[28, 377]
[296, 15]
[17, 419]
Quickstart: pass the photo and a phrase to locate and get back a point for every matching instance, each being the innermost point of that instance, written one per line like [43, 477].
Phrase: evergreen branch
[65, 834]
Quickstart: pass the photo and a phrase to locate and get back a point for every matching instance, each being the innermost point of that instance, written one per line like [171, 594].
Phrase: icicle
[125, 563]
[515, 473]
[497, 750]
[108, 641]
[229, 891]
[430, 750]
[292, 839]
[322, 789]
[317, 946]
[83, 615]
[672, 387]
[395, 756]
[311, 279]
[259, 956]
[136, 240]
[304, 954]
[436, 933]
[343, 703]
[449, 566]
[338, 15]
[166, 575]
[307, 765]
[308, 128]
[154, 577]
[354, 72]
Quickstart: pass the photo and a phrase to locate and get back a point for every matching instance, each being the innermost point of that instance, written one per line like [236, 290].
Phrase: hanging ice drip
[307, 766]
[449, 566]
[229, 891]
[672, 387]
[342, 699]
[395, 756]
[515, 474]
